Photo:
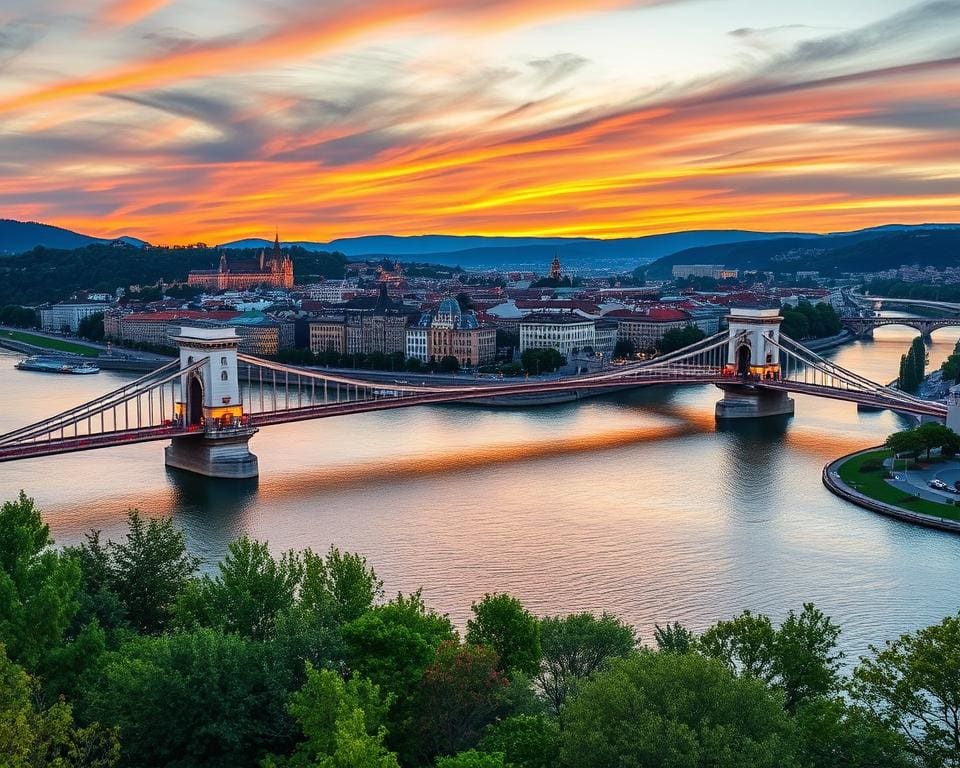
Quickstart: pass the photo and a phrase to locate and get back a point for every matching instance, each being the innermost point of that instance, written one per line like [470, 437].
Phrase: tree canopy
[118, 653]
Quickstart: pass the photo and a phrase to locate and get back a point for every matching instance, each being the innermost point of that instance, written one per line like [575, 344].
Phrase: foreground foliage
[120, 654]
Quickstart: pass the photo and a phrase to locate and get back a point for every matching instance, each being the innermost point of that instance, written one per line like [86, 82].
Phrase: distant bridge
[211, 401]
[863, 326]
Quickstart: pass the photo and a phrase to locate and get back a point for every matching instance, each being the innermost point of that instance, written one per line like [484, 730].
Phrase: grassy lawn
[60, 345]
[873, 484]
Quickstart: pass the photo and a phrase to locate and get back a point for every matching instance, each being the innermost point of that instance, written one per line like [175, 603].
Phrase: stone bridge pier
[752, 356]
[212, 407]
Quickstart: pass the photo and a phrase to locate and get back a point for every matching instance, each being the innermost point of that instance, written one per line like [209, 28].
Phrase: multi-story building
[647, 328]
[67, 315]
[451, 333]
[153, 327]
[364, 329]
[233, 274]
[418, 338]
[331, 291]
[328, 334]
[386, 333]
[605, 333]
[716, 271]
[567, 333]
[261, 335]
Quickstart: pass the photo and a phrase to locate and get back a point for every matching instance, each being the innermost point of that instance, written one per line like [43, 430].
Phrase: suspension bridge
[210, 402]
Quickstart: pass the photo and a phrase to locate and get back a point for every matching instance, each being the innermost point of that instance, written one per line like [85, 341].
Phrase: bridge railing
[146, 403]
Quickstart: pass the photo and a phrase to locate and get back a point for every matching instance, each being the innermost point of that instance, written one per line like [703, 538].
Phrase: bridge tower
[212, 405]
[752, 356]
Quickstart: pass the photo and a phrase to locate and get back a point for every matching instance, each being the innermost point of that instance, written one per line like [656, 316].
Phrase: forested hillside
[49, 274]
[868, 251]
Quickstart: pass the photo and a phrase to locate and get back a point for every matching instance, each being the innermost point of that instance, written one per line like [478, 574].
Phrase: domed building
[451, 332]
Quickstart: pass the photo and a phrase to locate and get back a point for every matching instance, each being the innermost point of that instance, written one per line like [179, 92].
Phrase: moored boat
[56, 365]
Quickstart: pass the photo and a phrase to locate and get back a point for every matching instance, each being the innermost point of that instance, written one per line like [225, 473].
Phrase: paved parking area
[916, 481]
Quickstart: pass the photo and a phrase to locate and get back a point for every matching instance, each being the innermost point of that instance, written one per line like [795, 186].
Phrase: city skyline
[184, 120]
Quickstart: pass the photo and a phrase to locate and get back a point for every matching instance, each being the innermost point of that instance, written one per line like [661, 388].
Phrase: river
[637, 504]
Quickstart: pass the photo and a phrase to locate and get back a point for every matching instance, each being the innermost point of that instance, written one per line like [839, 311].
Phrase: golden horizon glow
[178, 121]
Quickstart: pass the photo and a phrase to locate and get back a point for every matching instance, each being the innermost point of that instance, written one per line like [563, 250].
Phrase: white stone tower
[211, 405]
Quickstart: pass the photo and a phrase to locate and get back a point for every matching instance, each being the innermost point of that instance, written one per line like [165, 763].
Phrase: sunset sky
[185, 120]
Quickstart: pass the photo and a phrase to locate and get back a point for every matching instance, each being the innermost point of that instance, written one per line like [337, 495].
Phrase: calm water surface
[636, 504]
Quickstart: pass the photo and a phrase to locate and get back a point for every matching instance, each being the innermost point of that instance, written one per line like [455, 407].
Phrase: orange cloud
[121, 12]
[311, 33]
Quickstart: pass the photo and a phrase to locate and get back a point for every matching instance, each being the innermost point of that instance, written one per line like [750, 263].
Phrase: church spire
[277, 255]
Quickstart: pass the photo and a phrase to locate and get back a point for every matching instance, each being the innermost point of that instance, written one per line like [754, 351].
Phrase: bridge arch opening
[195, 400]
[743, 359]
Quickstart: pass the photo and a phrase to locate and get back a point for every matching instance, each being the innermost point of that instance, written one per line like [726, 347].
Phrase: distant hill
[20, 236]
[528, 253]
[865, 250]
[743, 249]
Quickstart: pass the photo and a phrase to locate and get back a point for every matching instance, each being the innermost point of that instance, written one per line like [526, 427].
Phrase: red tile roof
[184, 314]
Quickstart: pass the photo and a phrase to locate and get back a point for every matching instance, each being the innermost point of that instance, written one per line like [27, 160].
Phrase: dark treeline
[20, 317]
[120, 653]
[912, 366]
[951, 366]
[899, 289]
[49, 274]
[810, 321]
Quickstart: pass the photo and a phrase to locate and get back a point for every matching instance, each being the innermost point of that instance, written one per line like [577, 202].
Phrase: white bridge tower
[753, 356]
[212, 405]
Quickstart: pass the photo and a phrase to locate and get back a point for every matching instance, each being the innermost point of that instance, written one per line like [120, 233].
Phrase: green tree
[806, 659]
[911, 685]
[30, 737]
[38, 585]
[906, 441]
[526, 741]
[192, 698]
[502, 622]
[674, 638]
[97, 597]
[459, 694]
[795, 324]
[473, 759]
[624, 348]
[800, 658]
[935, 435]
[449, 364]
[342, 723]
[678, 338]
[392, 644]
[148, 571]
[919, 350]
[830, 733]
[679, 710]
[339, 587]
[575, 647]
[250, 590]
[537, 361]
[745, 644]
[91, 327]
